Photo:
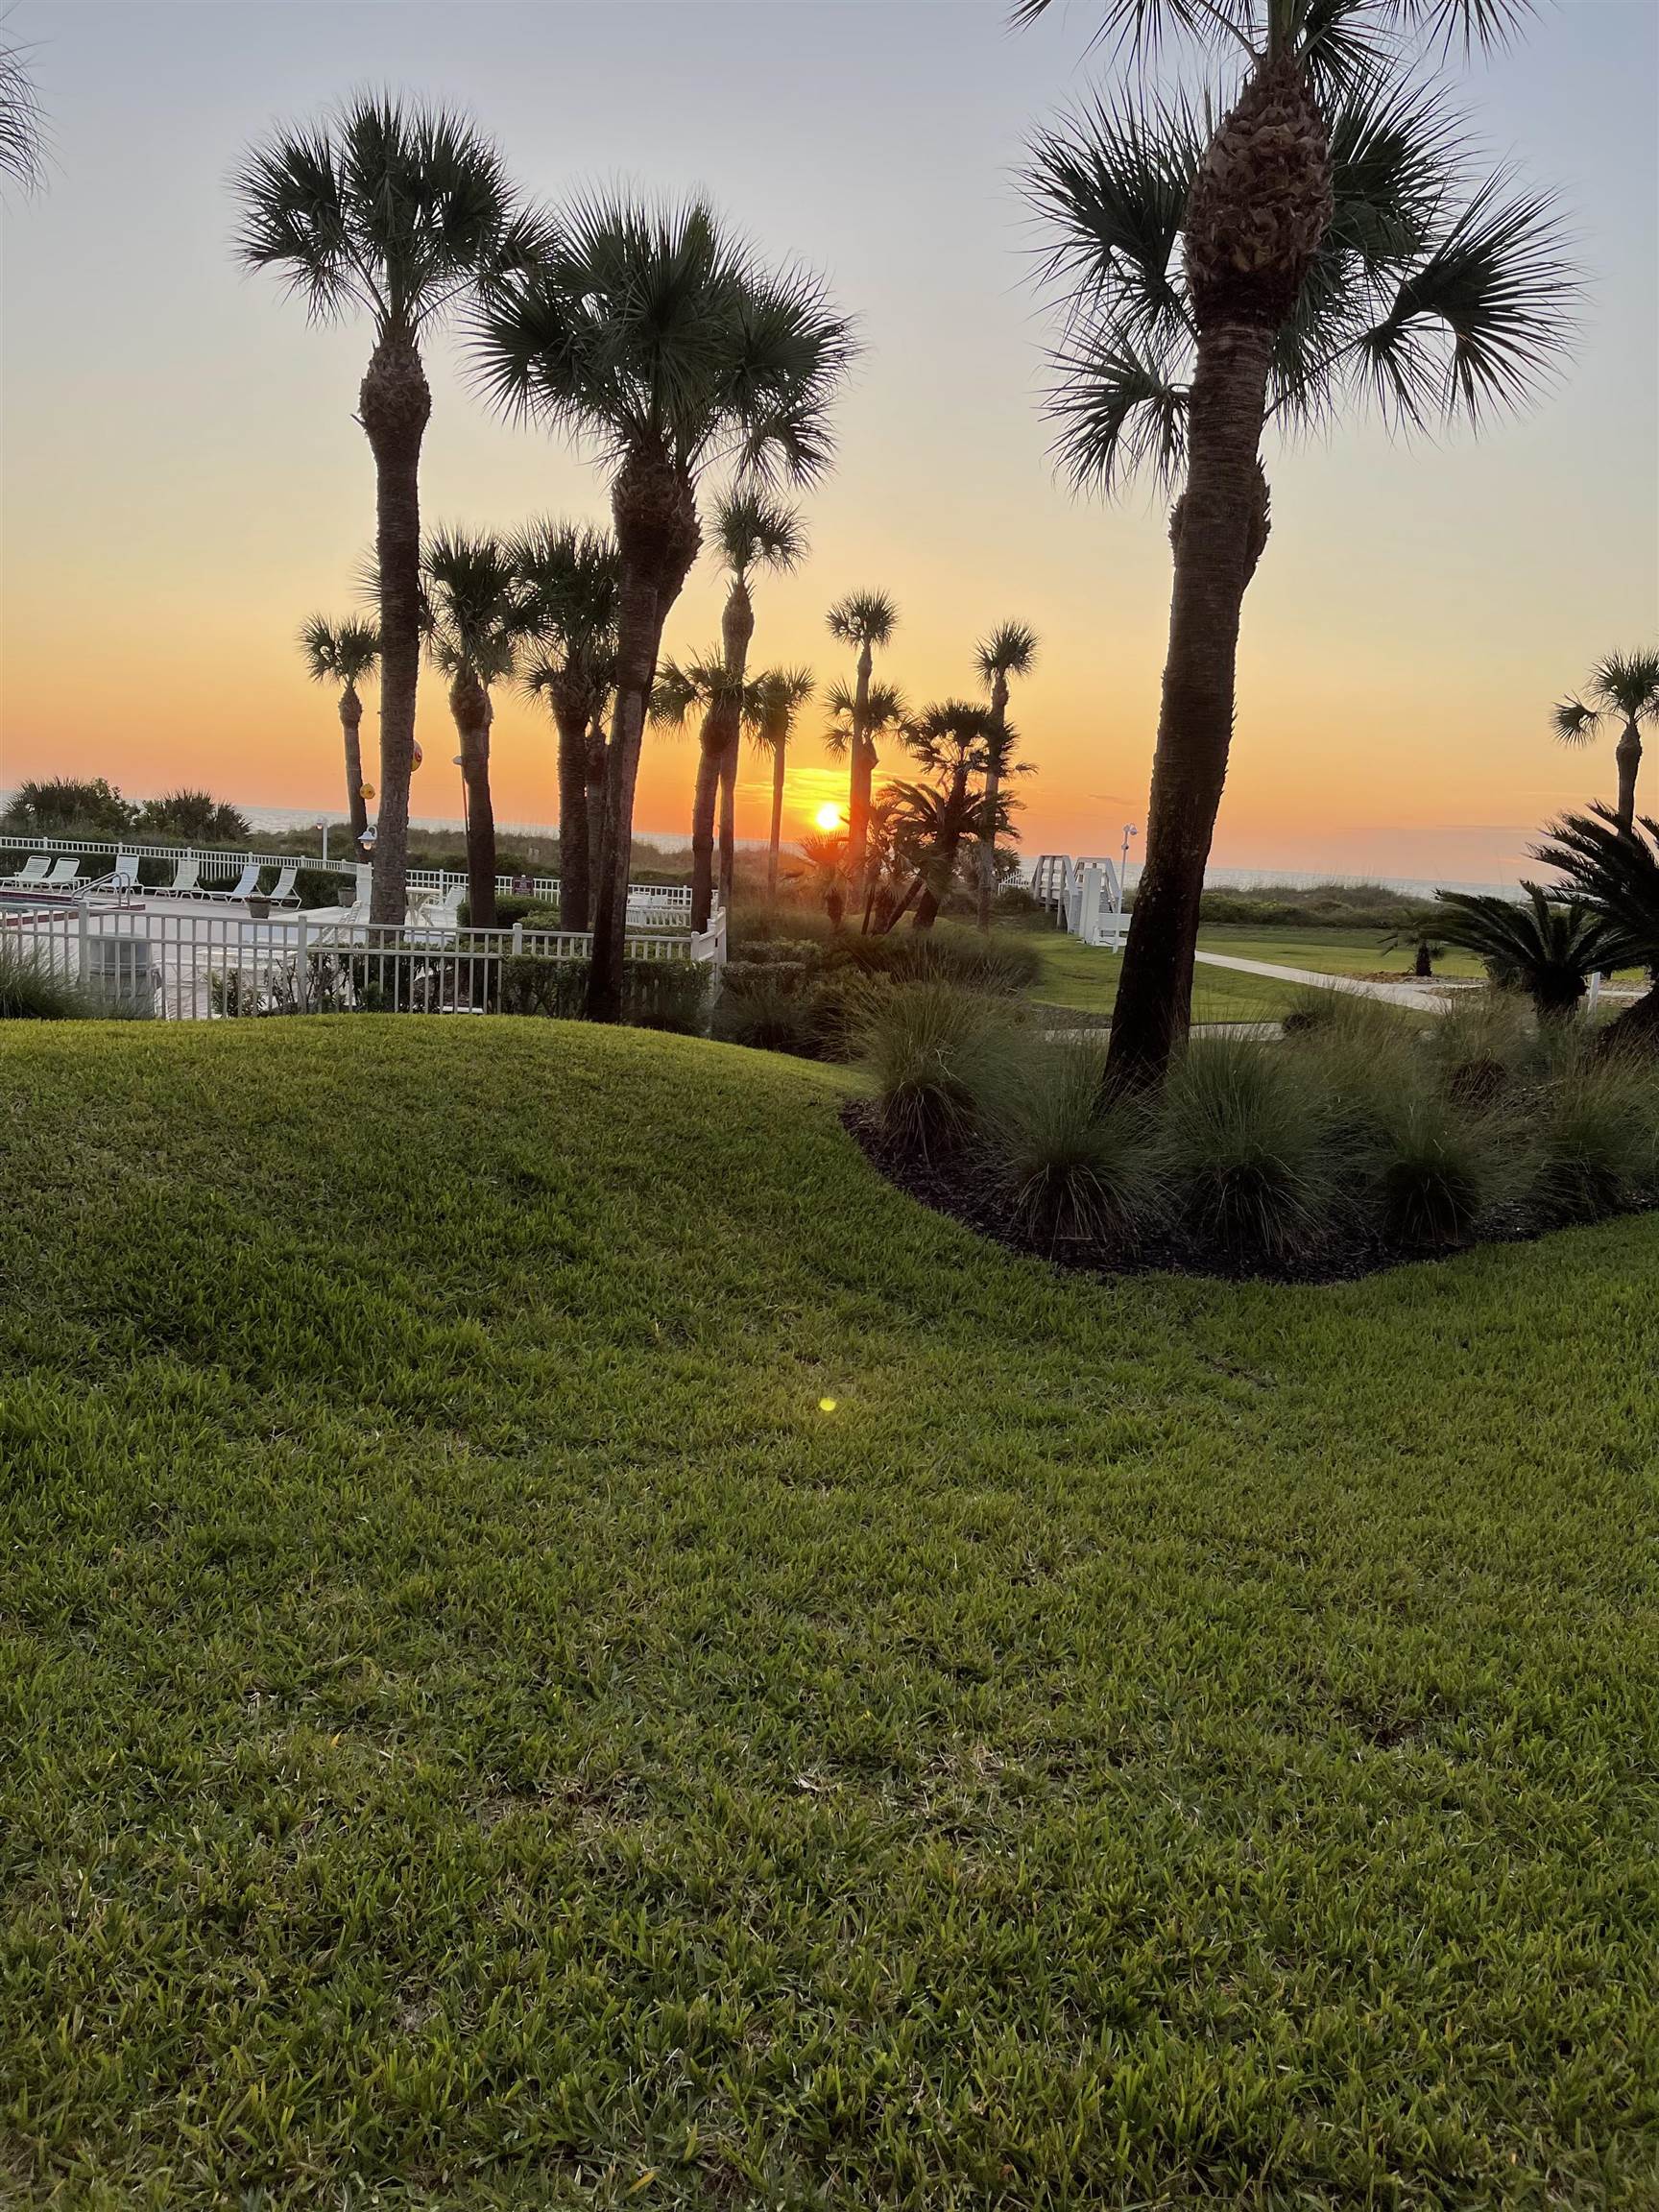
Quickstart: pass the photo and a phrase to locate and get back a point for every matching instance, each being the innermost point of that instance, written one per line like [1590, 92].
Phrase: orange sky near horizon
[178, 452]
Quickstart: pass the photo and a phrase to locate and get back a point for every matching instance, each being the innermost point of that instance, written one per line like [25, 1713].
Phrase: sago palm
[1010, 650]
[656, 337]
[474, 626]
[774, 700]
[395, 211]
[866, 619]
[569, 577]
[345, 653]
[752, 531]
[1546, 946]
[1321, 245]
[1623, 688]
[1616, 871]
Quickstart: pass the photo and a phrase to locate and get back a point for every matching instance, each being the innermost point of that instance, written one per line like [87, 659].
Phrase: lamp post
[1130, 830]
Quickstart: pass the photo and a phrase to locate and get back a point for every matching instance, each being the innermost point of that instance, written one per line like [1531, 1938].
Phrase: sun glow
[828, 816]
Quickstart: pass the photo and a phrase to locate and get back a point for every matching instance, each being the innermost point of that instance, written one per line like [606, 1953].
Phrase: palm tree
[751, 531]
[1547, 948]
[703, 687]
[858, 719]
[823, 859]
[866, 619]
[1320, 244]
[1623, 687]
[396, 211]
[654, 335]
[345, 653]
[951, 740]
[1010, 650]
[777, 696]
[20, 128]
[474, 627]
[1616, 871]
[570, 578]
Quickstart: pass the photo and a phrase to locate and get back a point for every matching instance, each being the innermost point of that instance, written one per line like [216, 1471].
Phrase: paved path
[1427, 998]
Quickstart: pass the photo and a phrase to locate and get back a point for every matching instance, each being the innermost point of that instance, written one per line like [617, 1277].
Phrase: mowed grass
[478, 1733]
[1333, 951]
[1085, 976]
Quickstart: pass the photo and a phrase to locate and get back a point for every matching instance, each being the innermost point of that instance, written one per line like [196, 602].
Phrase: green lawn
[477, 1733]
[1331, 951]
[1085, 978]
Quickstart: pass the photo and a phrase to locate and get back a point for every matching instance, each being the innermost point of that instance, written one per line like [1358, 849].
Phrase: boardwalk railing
[196, 965]
[1082, 895]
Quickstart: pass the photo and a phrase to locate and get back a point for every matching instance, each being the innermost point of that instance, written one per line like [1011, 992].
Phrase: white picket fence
[194, 963]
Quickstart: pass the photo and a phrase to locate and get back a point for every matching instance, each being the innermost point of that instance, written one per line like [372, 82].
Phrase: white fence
[672, 902]
[194, 963]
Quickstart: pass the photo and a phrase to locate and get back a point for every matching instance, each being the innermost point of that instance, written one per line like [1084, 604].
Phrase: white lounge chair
[63, 873]
[186, 882]
[281, 893]
[245, 885]
[126, 874]
[35, 870]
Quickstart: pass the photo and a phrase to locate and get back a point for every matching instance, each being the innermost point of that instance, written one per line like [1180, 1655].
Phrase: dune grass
[566, 1646]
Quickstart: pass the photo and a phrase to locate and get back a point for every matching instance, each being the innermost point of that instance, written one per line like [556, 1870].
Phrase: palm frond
[685, 687]
[1613, 870]
[475, 603]
[22, 125]
[1575, 723]
[1627, 684]
[1010, 650]
[339, 652]
[863, 618]
[1118, 414]
[752, 529]
[1545, 946]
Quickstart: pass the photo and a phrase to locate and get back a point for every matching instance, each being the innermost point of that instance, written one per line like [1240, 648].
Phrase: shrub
[1480, 1045]
[1433, 1171]
[1068, 1167]
[1242, 1148]
[739, 978]
[751, 926]
[30, 992]
[838, 1005]
[1003, 966]
[777, 953]
[655, 993]
[769, 1014]
[926, 1047]
[1596, 1141]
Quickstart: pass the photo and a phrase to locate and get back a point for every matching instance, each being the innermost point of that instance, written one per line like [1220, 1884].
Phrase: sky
[181, 480]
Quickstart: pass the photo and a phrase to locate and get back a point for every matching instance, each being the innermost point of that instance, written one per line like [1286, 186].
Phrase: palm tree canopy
[771, 703]
[384, 206]
[685, 687]
[1546, 946]
[1336, 40]
[1435, 294]
[863, 618]
[647, 328]
[951, 734]
[1617, 872]
[1624, 686]
[20, 125]
[570, 578]
[1010, 650]
[753, 530]
[339, 652]
[884, 709]
[474, 604]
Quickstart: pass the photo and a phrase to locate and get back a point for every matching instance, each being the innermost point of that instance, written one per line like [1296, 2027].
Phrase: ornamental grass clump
[927, 1049]
[1435, 1171]
[1596, 1142]
[1243, 1145]
[31, 991]
[1071, 1167]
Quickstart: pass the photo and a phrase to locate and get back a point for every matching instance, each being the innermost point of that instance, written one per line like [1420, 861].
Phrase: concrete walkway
[1426, 997]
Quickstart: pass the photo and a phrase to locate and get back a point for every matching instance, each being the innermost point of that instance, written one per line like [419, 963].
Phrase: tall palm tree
[654, 335]
[1010, 650]
[751, 531]
[20, 124]
[569, 577]
[858, 716]
[1623, 687]
[866, 619]
[345, 653]
[952, 740]
[396, 211]
[701, 687]
[777, 696]
[474, 627]
[1318, 244]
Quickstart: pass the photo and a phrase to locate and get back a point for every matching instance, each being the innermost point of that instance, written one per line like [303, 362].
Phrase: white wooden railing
[1082, 895]
[194, 963]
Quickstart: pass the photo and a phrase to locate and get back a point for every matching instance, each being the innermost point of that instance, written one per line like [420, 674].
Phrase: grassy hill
[564, 1645]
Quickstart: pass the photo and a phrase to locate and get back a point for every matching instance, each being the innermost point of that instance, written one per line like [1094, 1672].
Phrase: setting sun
[828, 816]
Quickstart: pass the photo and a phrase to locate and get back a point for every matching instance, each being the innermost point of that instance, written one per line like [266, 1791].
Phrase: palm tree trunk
[729, 818]
[350, 724]
[470, 703]
[859, 783]
[703, 804]
[736, 629]
[1628, 755]
[597, 748]
[988, 846]
[395, 404]
[1217, 532]
[941, 864]
[573, 858]
[776, 843]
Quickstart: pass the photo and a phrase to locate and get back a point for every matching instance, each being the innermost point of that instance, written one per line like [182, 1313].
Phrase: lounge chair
[186, 881]
[126, 873]
[246, 884]
[35, 870]
[63, 873]
[282, 891]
